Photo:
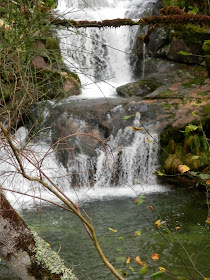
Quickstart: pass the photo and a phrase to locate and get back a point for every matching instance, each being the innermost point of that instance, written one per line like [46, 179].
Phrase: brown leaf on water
[155, 257]
[128, 260]
[138, 260]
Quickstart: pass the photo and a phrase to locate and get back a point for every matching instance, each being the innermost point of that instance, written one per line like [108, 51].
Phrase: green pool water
[186, 209]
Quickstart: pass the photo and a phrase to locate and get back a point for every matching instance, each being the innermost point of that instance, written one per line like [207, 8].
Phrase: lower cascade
[116, 170]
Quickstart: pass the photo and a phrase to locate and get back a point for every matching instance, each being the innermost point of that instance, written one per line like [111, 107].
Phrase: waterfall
[101, 57]
[118, 170]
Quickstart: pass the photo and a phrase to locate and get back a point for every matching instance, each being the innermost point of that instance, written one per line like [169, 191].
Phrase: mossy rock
[139, 89]
[167, 94]
[206, 50]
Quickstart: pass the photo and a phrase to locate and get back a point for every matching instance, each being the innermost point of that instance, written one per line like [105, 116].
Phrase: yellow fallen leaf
[177, 228]
[162, 269]
[149, 140]
[136, 128]
[151, 207]
[138, 260]
[155, 257]
[113, 230]
[183, 168]
[158, 223]
[128, 260]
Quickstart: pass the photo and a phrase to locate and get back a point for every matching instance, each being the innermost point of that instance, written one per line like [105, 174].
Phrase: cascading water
[130, 160]
[101, 57]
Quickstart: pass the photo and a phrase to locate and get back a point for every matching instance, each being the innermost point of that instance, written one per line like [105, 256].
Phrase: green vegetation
[189, 147]
[31, 66]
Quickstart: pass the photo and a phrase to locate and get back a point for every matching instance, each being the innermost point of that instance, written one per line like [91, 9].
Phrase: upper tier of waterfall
[101, 57]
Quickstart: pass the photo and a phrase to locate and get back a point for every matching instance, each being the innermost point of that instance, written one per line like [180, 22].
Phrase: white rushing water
[119, 171]
[101, 57]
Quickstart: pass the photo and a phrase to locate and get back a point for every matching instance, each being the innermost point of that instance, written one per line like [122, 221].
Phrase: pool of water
[186, 209]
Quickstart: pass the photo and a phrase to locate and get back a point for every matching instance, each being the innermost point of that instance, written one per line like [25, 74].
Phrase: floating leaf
[157, 275]
[162, 269]
[128, 260]
[131, 268]
[138, 260]
[181, 278]
[149, 140]
[139, 200]
[155, 257]
[158, 223]
[113, 230]
[137, 233]
[136, 128]
[184, 53]
[127, 117]
[151, 207]
[183, 168]
[121, 237]
[120, 259]
[143, 270]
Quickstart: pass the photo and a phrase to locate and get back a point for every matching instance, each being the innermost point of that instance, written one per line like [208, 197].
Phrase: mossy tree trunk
[20, 251]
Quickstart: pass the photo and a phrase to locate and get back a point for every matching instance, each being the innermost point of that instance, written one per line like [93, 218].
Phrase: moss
[166, 94]
[194, 82]
[206, 110]
[50, 260]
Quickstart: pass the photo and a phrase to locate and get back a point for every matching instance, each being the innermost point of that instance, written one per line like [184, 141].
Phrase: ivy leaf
[157, 275]
[113, 230]
[184, 53]
[127, 117]
[183, 168]
[139, 200]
